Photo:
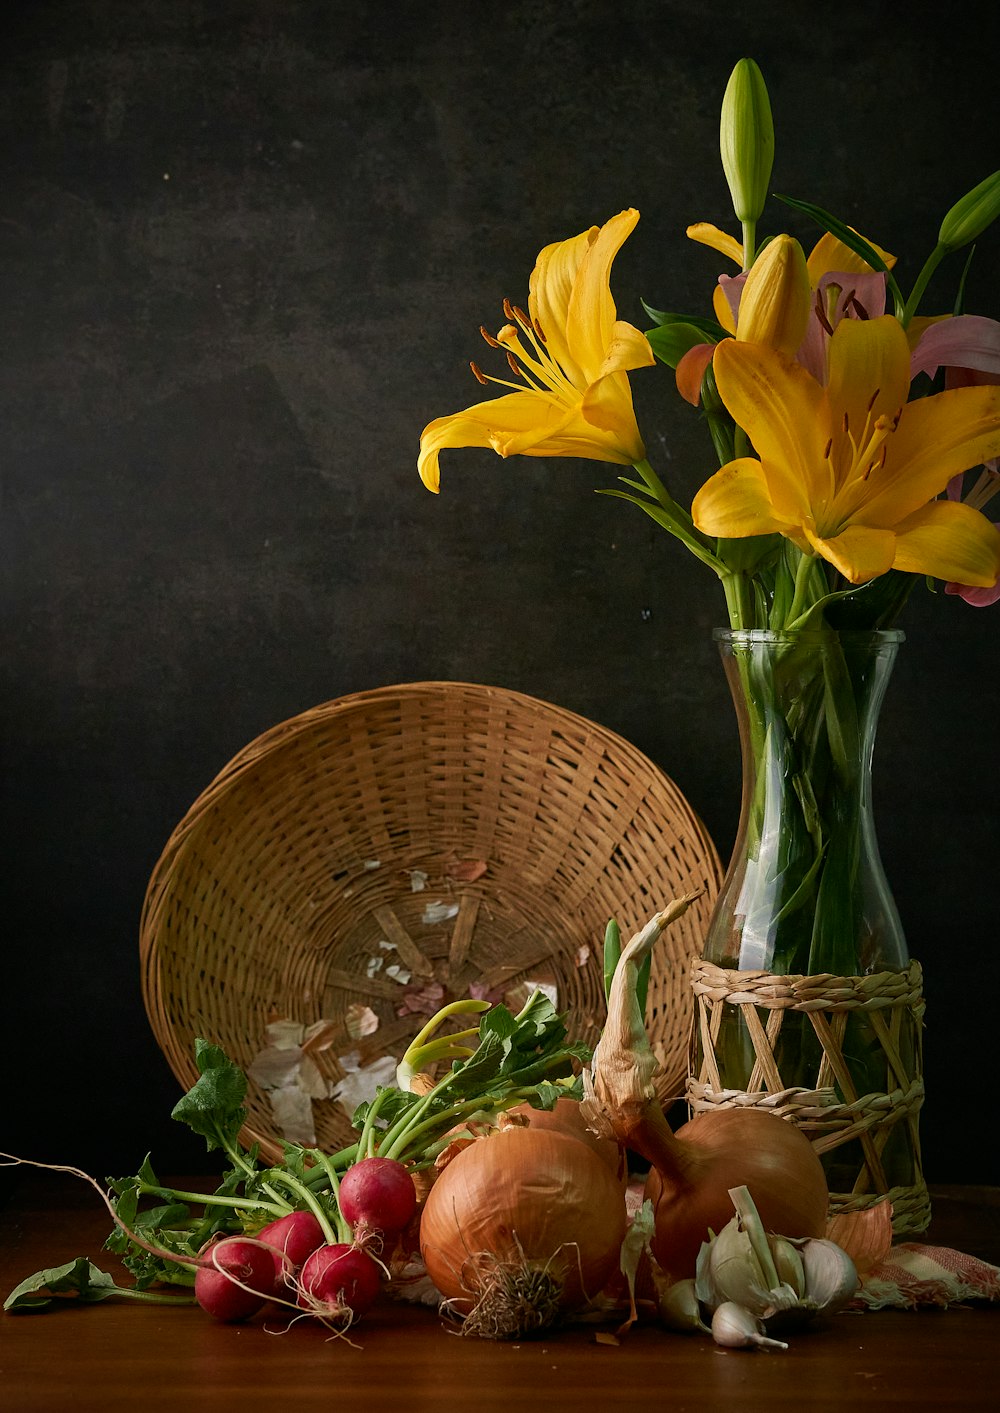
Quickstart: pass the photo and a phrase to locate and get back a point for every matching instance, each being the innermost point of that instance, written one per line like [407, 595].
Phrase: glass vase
[807, 1001]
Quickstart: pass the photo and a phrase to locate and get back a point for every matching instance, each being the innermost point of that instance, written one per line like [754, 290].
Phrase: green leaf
[392, 1107]
[475, 1073]
[711, 330]
[220, 1219]
[213, 1106]
[612, 951]
[77, 1282]
[499, 1021]
[849, 238]
[668, 522]
[959, 305]
[166, 1224]
[536, 1019]
[546, 1094]
[164, 1217]
[876, 604]
[670, 342]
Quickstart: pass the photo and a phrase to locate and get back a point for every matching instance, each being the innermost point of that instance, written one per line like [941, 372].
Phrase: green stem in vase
[806, 873]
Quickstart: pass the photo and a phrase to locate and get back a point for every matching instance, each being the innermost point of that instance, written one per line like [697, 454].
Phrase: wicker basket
[477, 837]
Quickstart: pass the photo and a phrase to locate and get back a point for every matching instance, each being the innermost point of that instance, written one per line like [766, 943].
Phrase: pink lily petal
[812, 349]
[968, 341]
[978, 598]
[858, 297]
[861, 296]
[732, 288]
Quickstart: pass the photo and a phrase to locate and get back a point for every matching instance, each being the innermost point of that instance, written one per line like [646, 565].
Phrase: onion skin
[523, 1196]
[566, 1117]
[694, 1168]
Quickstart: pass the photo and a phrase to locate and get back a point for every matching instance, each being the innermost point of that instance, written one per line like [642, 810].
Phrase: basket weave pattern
[831, 1112]
[302, 862]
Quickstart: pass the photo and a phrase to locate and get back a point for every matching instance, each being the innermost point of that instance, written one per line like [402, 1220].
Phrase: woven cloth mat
[912, 1276]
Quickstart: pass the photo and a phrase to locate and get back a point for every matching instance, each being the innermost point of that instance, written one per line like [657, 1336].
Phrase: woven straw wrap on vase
[831, 1112]
[288, 887]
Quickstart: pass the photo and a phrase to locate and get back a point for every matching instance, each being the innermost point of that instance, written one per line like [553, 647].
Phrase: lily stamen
[984, 490]
[493, 343]
[545, 371]
[878, 463]
[821, 313]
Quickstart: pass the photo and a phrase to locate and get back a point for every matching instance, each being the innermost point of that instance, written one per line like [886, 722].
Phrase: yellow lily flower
[573, 355]
[783, 296]
[851, 471]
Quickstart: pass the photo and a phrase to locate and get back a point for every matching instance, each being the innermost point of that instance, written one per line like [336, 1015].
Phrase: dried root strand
[512, 1298]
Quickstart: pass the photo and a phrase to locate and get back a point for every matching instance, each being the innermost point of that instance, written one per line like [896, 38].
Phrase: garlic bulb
[781, 1282]
[742, 1264]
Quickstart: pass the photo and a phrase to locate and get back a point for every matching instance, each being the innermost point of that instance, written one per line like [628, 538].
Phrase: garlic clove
[789, 1265]
[679, 1308]
[734, 1327]
[735, 1270]
[831, 1278]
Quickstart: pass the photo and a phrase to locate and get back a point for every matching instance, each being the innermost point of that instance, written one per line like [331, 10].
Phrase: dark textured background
[246, 248]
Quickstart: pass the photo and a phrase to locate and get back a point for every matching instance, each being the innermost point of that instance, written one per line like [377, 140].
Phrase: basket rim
[290, 728]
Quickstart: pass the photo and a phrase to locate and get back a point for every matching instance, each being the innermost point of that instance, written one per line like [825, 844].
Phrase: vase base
[768, 1033]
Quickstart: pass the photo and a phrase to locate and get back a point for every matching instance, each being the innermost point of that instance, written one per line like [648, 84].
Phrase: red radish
[338, 1282]
[377, 1195]
[230, 1265]
[293, 1238]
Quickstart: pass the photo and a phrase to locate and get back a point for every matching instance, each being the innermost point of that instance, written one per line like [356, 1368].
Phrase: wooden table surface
[124, 1355]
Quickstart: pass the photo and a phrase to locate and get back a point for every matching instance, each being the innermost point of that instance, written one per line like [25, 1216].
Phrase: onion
[520, 1229]
[695, 1167]
[693, 1170]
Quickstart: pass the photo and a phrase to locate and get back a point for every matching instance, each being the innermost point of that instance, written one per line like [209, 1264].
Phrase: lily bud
[746, 139]
[775, 303]
[970, 216]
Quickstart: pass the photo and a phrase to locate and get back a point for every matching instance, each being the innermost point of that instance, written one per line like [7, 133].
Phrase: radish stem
[366, 1143]
[299, 1188]
[343, 1228]
[247, 1204]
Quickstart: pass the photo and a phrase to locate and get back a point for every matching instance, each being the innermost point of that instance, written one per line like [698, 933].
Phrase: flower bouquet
[856, 441]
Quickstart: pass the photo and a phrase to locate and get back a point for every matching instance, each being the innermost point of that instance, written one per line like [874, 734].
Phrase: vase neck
[805, 890]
